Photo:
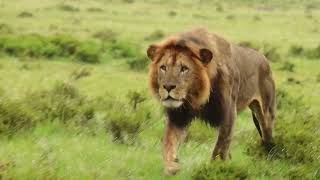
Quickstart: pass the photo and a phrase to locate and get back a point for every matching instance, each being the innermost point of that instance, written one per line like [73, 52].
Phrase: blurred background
[74, 99]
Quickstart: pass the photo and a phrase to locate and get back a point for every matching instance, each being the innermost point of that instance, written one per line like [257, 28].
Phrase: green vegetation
[74, 99]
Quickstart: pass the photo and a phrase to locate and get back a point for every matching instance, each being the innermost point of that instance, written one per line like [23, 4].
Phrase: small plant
[122, 49]
[106, 35]
[220, 170]
[249, 44]
[135, 98]
[257, 18]
[270, 52]
[155, 35]
[95, 9]
[68, 8]
[296, 50]
[80, 73]
[318, 77]
[5, 29]
[139, 63]
[287, 66]
[313, 53]
[230, 17]
[88, 52]
[25, 14]
[128, 1]
[172, 13]
[14, 117]
[219, 8]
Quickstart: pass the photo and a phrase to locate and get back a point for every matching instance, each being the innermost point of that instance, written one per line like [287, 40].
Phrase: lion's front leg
[221, 149]
[173, 137]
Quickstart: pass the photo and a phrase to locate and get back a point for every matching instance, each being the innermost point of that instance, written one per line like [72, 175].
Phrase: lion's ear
[205, 55]
[151, 52]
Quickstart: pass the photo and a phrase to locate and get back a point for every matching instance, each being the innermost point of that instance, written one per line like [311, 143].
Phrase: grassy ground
[61, 117]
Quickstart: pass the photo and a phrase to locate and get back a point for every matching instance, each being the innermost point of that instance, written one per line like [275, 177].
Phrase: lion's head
[178, 73]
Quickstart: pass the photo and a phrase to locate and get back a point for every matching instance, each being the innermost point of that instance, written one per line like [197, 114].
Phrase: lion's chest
[212, 112]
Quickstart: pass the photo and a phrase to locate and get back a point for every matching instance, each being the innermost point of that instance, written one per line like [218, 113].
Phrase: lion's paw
[172, 169]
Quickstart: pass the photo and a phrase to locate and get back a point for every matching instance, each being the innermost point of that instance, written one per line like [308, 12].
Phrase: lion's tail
[256, 123]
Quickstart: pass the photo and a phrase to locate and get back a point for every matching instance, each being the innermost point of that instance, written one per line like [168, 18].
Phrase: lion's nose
[169, 87]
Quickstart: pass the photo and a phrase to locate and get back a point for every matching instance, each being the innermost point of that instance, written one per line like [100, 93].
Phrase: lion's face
[178, 78]
[175, 78]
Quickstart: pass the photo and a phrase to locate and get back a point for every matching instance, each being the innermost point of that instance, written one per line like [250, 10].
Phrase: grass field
[74, 99]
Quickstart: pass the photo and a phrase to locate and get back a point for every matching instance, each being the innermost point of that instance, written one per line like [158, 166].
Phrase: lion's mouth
[171, 102]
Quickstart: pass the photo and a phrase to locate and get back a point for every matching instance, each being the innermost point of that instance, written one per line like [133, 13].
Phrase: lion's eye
[163, 68]
[184, 69]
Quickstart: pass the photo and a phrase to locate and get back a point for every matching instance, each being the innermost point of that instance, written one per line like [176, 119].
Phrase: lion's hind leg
[264, 121]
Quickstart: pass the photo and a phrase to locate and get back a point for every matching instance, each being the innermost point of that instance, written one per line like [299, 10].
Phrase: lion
[199, 74]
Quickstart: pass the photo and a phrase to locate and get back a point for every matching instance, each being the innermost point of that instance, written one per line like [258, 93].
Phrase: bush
[106, 35]
[270, 52]
[122, 49]
[313, 53]
[230, 17]
[25, 14]
[295, 139]
[80, 73]
[257, 18]
[172, 13]
[287, 66]
[296, 50]
[5, 29]
[63, 103]
[219, 8]
[89, 52]
[14, 117]
[64, 45]
[138, 63]
[68, 8]
[220, 170]
[125, 127]
[95, 9]
[156, 35]
[248, 44]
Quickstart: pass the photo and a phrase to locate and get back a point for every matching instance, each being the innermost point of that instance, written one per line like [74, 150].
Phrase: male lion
[199, 74]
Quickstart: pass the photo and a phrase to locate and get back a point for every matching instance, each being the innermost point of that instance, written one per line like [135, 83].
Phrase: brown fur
[222, 80]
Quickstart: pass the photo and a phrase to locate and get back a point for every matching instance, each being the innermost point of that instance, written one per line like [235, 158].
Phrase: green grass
[75, 108]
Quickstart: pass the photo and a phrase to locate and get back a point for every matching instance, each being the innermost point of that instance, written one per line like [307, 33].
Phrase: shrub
[89, 52]
[25, 14]
[138, 63]
[95, 9]
[122, 49]
[220, 170]
[63, 103]
[230, 17]
[80, 73]
[257, 18]
[5, 29]
[125, 127]
[135, 98]
[313, 53]
[287, 66]
[26, 45]
[14, 117]
[249, 44]
[219, 8]
[68, 8]
[172, 13]
[318, 77]
[65, 45]
[106, 35]
[270, 52]
[155, 35]
[295, 139]
[296, 50]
